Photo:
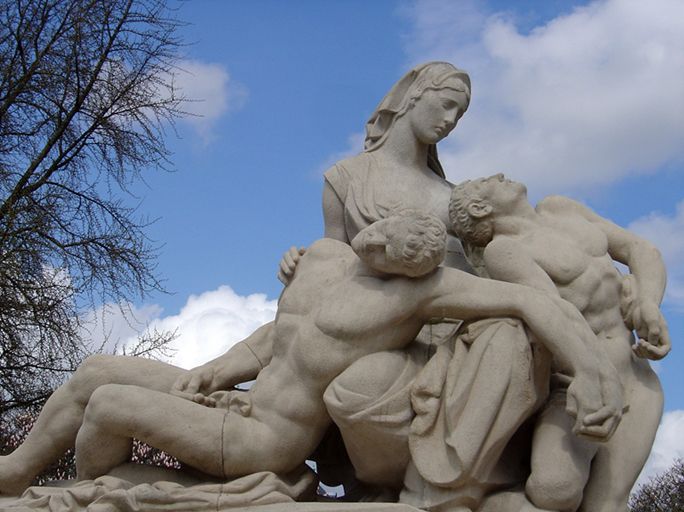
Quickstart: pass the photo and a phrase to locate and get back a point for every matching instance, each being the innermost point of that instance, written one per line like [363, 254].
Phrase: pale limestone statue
[373, 409]
[567, 250]
[392, 276]
[399, 166]
[367, 338]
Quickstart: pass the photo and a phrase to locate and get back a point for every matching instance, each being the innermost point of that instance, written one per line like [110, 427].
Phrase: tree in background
[663, 493]
[86, 92]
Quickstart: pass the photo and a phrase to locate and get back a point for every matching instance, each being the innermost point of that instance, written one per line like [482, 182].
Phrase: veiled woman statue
[483, 369]
[399, 167]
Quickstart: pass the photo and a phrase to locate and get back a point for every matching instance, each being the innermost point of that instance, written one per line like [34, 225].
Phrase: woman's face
[436, 113]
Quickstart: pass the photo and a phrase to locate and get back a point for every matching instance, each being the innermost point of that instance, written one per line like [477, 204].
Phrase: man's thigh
[100, 369]
[561, 461]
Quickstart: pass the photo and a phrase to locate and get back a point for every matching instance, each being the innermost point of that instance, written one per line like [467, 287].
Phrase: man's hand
[195, 385]
[288, 264]
[651, 328]
[595, 419]
[644, 316]
[601, 425]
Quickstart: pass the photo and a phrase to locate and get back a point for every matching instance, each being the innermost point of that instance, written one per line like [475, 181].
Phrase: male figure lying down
[343, 303]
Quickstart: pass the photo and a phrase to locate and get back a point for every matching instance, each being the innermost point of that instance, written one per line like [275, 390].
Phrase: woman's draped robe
[447, 406]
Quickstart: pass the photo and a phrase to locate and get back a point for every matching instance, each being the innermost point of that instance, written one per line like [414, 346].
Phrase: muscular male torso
[329, 316]
[573, 252]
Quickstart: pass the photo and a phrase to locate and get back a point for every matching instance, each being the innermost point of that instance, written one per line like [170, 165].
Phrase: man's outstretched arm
[556, 323]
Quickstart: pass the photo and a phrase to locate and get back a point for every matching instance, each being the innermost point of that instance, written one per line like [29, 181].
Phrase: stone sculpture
[420, 382]
[567, 250]
[279, 421]
[399, 166]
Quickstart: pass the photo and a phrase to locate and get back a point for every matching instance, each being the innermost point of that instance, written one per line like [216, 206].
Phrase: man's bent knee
[91, 374]
[562, 495]
[104, 405]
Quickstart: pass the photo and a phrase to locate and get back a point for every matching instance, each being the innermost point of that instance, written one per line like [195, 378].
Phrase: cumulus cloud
[668, 446]
[210, 323]
[113, 326]
[211, 93]
[207, 325]
[585, 99]
[666, 233]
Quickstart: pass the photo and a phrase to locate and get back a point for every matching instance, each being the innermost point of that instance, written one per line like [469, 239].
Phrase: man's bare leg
[214, 441]
[561, 462]
[619, 461]
[55, 429]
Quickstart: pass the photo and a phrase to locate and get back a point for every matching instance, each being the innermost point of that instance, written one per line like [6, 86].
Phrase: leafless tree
[86, 94]
[663, 493]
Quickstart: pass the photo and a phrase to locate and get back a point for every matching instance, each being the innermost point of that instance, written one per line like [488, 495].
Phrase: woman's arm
[333, 215]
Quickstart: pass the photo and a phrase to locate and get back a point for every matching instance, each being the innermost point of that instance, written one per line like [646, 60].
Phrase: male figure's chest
[567, 246]
[365, 308]
[319, 272]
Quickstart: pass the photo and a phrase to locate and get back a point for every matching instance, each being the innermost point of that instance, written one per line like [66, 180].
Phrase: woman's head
[431, 76]
[436, 76]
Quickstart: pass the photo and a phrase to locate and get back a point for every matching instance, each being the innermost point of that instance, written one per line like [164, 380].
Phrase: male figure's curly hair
[472, 230]
[424, 247]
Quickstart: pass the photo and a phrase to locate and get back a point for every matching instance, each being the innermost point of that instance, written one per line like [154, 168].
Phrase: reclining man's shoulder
[557, 203]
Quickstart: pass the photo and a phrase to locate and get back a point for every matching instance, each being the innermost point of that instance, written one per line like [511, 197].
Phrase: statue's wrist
[588, 370]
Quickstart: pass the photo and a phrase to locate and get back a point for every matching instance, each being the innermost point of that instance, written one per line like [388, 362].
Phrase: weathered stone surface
[402, 374]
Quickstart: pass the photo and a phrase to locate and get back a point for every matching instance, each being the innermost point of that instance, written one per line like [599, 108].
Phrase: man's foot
[12, 481]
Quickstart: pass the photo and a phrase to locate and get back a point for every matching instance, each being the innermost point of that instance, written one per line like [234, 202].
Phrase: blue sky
[584, 99]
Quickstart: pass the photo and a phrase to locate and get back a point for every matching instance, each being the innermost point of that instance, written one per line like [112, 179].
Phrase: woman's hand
[288, 264]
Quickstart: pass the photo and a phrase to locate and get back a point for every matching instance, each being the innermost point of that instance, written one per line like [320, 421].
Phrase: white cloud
[668, 446]
[666, 233]
[211, 93]
[112, 325]
[585, 99]
[207, 325]
[210, 323]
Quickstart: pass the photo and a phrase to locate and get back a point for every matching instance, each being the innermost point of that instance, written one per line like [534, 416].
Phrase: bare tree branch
[86, 94]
